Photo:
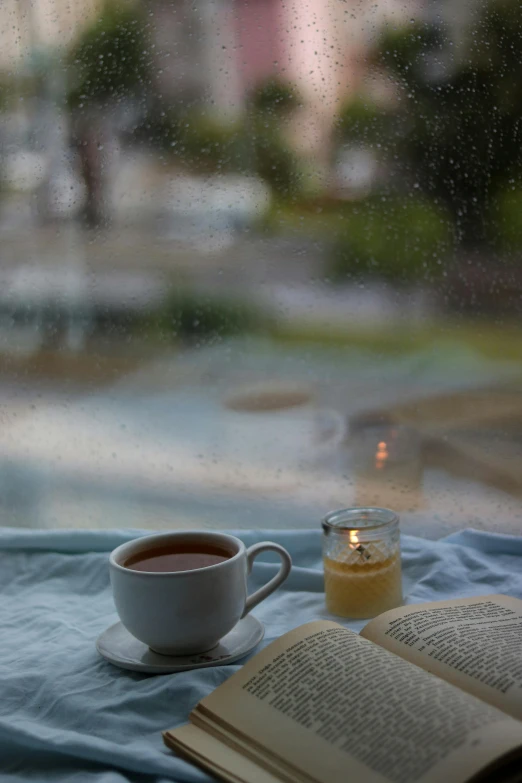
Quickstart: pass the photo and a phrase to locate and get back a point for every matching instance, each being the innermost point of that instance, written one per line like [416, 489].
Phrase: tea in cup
[181, 592]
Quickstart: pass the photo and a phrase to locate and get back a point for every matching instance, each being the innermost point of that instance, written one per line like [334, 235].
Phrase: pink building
[260, 43]
[317, 45]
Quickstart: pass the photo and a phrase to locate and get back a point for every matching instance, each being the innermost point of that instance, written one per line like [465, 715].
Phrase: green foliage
[110, 61]
[362, 121]
[205, 142]
[455, 129]
[506, 216]
[194, 138]
[274, 97]
[496, 49]
[405, 51]
[185, 315]
[256, 142]
[274, 161]
[188, 315]
[270, 152]
[159, 127]
[395, 239]
[9, 91]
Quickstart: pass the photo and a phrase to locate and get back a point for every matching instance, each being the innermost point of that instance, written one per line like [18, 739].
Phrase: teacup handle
[263, 592]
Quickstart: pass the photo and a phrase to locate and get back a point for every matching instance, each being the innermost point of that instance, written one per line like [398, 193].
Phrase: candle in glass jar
[362, 565]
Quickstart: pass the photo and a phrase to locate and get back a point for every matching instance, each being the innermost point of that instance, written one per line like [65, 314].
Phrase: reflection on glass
[388, 466]
[198, 197]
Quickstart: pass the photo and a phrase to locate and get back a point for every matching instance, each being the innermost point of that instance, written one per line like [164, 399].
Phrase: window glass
[260, 259]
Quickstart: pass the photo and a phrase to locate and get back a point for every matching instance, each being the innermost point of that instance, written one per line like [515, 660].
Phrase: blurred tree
[108, 71]
[273, 158]
[454, 129]
[394, 239]
[254, 143]
[190, 316]
[274, 98]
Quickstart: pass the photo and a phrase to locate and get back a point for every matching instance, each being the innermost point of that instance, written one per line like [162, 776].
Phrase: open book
[323, 704]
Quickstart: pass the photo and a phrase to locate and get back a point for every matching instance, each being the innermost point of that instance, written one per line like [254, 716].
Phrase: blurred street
[258, 261]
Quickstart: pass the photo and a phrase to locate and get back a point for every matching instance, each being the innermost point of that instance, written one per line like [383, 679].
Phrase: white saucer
[122, 649]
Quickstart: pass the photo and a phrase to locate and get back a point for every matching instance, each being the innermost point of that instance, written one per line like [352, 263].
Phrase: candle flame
[381, 455]
[356, 546]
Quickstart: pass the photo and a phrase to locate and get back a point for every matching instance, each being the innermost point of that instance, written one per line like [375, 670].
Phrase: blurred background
[260, 259]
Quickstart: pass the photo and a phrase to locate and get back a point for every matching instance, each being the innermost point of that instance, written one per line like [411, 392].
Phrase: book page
[207, 751]
[474, 643]
[323, 704]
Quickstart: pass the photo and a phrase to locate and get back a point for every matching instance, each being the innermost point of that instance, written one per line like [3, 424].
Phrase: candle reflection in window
[382, 455]
[387, 467]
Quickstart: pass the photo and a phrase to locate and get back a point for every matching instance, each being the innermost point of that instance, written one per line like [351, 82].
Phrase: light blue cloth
[68, 715]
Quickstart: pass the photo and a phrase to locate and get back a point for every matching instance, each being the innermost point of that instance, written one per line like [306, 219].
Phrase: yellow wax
[362, 590]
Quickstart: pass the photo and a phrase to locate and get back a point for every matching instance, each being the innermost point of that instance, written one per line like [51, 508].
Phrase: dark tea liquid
[176, 557]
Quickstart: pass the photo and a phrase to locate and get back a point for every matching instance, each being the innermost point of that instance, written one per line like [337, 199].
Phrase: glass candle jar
[362, 562]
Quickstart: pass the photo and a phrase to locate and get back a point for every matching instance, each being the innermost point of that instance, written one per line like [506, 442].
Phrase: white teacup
[185, 612]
